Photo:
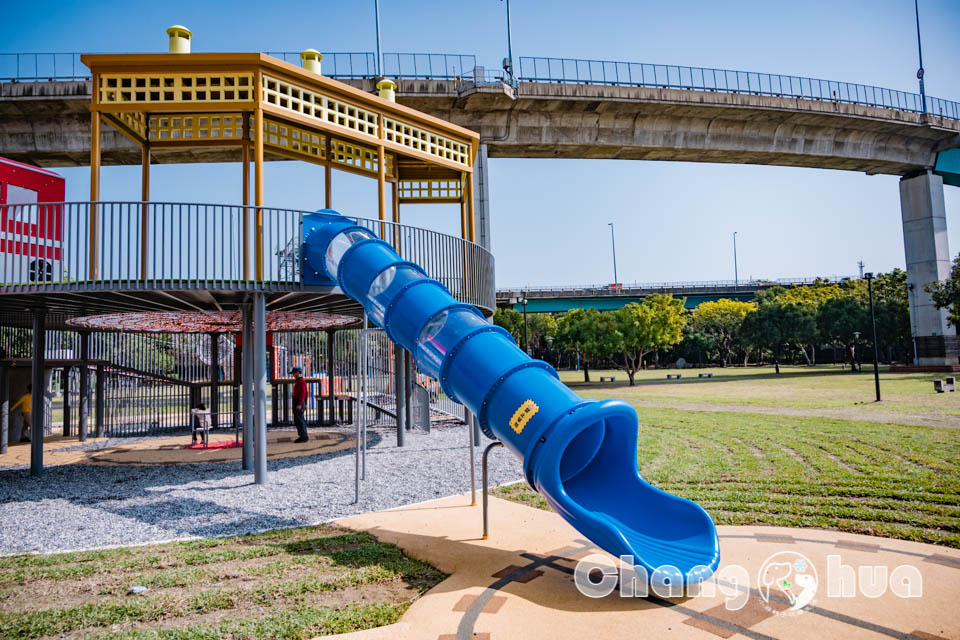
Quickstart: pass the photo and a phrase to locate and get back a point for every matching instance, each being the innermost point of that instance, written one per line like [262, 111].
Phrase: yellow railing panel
[175, 88]
[196, 126]
[431, 190]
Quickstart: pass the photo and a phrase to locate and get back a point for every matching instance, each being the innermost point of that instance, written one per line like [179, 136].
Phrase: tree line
[781, 325]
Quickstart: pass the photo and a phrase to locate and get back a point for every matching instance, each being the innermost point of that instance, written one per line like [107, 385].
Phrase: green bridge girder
[607, 303]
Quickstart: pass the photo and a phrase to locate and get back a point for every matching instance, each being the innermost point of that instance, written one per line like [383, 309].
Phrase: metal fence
[45, 67]
[609, 72]
[156, 245]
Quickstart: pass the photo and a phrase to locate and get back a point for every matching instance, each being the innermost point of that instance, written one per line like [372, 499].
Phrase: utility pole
[860, 264]
[613, 244]
[923, 95]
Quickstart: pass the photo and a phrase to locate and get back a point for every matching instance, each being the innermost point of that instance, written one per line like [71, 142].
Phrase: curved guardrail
[39, 67]
[77, 246]
[665, 76]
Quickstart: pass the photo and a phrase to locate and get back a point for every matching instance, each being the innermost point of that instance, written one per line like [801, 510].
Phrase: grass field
[292, 584]
[836, 461]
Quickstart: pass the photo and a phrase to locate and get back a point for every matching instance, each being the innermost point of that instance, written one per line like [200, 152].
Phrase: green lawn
[291, 584]
[747, 465]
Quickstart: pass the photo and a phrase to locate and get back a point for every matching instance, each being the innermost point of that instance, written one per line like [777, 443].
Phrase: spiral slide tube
[581, 455]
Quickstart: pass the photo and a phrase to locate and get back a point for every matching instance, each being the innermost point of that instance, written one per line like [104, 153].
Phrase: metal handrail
[169, 245]
[40, 67]
[638, 74]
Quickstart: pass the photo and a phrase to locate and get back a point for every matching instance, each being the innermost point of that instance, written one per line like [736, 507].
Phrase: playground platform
[171, 450]
[519, 582]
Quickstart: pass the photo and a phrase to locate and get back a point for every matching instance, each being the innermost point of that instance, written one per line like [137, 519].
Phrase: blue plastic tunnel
[579, 454]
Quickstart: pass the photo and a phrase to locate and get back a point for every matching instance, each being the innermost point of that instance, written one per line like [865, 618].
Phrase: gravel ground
[81, 506]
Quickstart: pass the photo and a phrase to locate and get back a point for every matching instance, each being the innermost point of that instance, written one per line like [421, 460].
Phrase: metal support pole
[4, 407]
[214, 379]
[408, 378]
[100, 408]
[331, 372]
[37, 404]
[486, 456]
[260, 384]
[246, 359]
[873, 323]
[365, 408]
[399, 386]
[66, 402]
[473, 464]
[83, 408]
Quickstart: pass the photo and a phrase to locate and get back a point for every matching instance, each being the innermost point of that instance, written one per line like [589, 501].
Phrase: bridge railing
[637, 74]
[689, 284]
[40, 67]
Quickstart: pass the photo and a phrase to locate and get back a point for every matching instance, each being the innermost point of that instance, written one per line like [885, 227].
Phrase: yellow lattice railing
[146, 88]
[428, 142]
[311, 145]
[315, 105]
[197, 126]
[431, 190]
[135, 121]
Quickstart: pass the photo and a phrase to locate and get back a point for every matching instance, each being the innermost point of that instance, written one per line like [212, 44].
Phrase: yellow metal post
[258, 191]
[245, 160]
[381, 188]
[144, 208]
[470, 224]
[328, 177]
[94, 189]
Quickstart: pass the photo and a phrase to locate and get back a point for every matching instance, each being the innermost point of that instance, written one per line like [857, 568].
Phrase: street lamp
[873, 322]
[923, 95]
[376, 8]
[523, 301]
[736, 279]
[613, 245]
[508, 61]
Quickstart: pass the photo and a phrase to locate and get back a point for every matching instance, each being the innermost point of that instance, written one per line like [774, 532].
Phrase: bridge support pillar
[928, 259]
[481, 194]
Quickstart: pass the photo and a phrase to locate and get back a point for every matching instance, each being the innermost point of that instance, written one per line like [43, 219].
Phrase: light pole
[613, 244]
[736, 277]
[873, 322]
[508, 61]
[523, 301]
[376, 6]
[923, 95]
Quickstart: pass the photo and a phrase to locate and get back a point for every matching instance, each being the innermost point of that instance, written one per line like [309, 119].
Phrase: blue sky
[674, 221]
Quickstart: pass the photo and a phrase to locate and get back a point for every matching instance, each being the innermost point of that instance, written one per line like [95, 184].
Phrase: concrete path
[520, 584]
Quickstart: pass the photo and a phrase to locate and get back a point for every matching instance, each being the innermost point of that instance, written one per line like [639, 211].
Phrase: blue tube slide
[581, 455]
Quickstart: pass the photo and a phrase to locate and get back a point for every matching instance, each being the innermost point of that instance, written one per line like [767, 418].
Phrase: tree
[946, 294]
[721, 321]
[775, 325]
[539, 326]
[656, 323]
[839, 319]
[592, 333]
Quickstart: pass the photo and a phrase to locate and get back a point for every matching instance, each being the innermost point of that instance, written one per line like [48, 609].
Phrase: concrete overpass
[48, 123]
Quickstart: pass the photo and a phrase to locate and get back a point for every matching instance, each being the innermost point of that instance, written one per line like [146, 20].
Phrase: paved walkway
[519, 583]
